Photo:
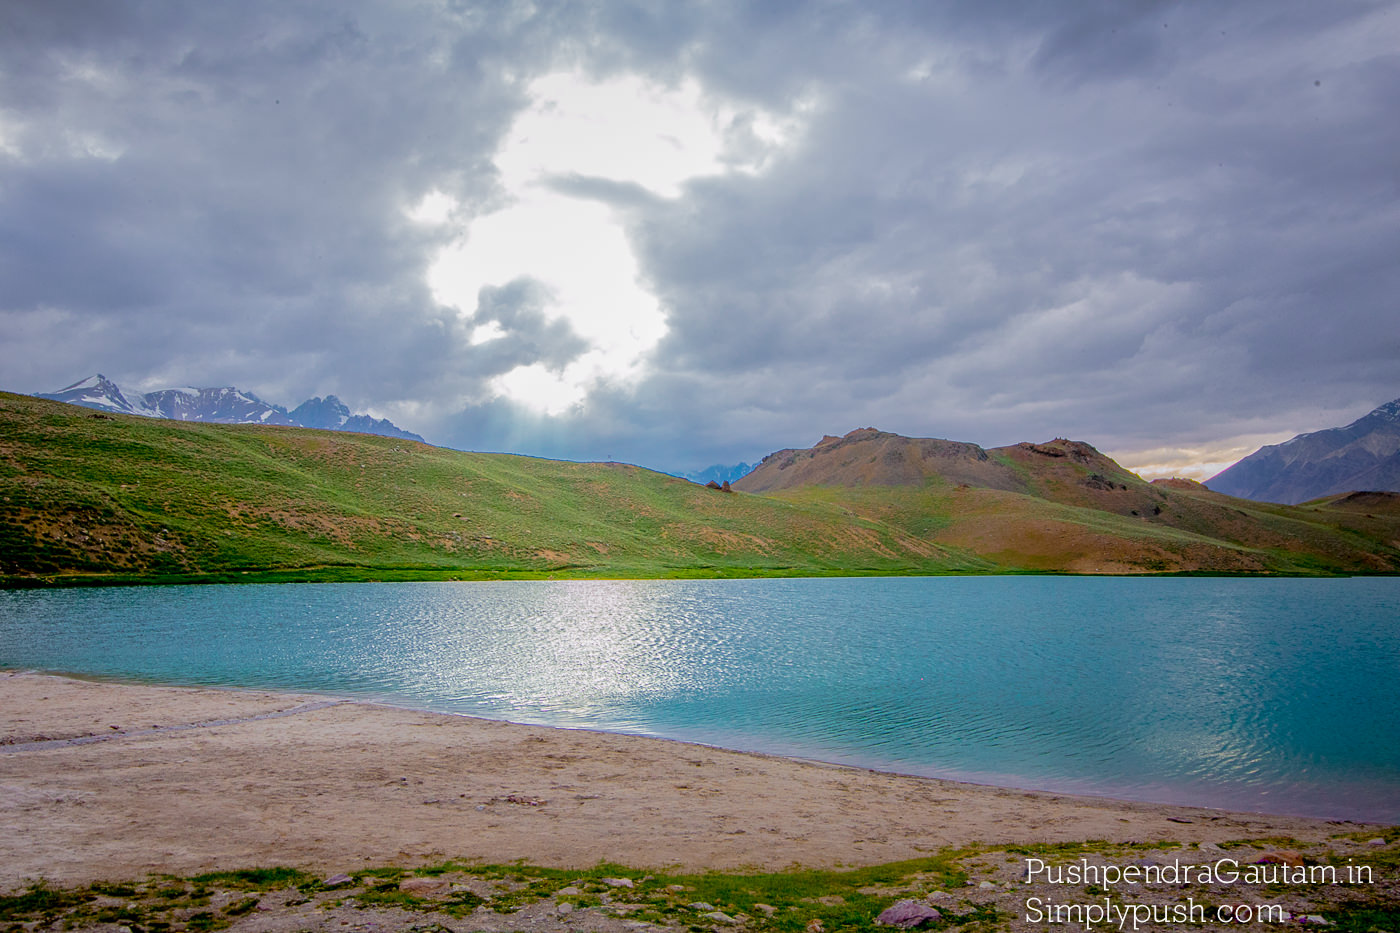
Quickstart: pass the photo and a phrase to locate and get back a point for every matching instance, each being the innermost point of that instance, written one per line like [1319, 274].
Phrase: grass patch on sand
[788, 901]
[977, 888]
[254, 879]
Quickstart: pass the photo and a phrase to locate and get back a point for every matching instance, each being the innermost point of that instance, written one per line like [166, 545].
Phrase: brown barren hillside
[1063, 506]
[867, 457]
[1381, 503]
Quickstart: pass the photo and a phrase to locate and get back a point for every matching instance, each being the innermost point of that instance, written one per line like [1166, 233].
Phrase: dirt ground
[101, 780]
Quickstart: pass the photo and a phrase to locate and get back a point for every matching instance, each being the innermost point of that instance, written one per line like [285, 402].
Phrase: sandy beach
[102, 780]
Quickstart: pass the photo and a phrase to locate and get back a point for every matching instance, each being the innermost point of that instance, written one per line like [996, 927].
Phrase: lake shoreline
[428, 575]
[999, 782]
[119, 780]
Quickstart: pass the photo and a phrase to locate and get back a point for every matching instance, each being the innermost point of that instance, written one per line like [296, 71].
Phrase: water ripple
[1274, 694]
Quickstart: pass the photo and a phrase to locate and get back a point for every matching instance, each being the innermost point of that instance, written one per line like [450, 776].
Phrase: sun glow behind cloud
[1198, 463]
[652, 139]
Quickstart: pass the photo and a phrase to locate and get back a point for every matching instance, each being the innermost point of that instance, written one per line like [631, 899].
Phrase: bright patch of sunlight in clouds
[624, 130]
[1199, 463]
[541, 389]
[435, 208]
[485, 333]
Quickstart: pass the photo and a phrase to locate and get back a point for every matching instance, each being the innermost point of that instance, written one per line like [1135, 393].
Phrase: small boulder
[1378, 841]
[618, 882]
[337, 881]
[701, 905]
[424, 887]
[564, 909]
[907, 914]
[1281, 857]
[719, 916]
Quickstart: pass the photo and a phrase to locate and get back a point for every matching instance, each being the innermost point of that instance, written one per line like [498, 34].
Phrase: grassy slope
[106, 498]
[84, 494]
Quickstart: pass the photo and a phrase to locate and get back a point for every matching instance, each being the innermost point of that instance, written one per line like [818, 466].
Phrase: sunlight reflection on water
[1263, 694]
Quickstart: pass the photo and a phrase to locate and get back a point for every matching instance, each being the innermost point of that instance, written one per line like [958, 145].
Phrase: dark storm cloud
[1139, 224]
[1066, 238]
[204, 193]
[529, 335]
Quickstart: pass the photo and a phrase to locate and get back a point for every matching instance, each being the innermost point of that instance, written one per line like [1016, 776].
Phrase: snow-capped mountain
[225, 405]
[332, 414]
[719, 473]
[102, 393]
[1364, 455]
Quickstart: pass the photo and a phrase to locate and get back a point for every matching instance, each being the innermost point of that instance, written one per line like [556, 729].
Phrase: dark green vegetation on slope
[87, 497]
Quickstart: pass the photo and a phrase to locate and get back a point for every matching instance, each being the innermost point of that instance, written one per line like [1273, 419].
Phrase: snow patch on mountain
[222, 405]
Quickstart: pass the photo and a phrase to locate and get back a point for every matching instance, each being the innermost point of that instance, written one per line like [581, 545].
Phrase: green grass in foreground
[795, 901]
[785, 901]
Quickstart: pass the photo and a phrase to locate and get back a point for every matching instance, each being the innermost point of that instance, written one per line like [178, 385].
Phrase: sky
[683, 234]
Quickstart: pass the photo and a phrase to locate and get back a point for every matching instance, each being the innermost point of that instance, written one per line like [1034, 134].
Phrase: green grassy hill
[90, 497]
[83, 494]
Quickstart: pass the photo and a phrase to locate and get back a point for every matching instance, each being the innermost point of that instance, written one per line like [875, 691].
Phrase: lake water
[1277, 695]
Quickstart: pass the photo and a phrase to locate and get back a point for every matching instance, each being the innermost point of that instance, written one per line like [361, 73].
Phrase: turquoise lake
[1276, 695]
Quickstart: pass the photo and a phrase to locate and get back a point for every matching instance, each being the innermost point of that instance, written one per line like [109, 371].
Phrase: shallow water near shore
[1276, 695]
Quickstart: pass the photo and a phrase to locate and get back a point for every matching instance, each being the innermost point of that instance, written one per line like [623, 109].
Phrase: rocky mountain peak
[329, 413]
[1363, 455]
[222, 405]
[1390, 411]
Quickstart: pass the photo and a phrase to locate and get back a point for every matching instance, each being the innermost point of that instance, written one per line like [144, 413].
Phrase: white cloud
[435, 208]
[485, 333]
[541, 390]
[625, 130]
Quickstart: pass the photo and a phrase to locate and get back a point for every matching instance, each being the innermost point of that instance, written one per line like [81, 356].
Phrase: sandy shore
[108, 781]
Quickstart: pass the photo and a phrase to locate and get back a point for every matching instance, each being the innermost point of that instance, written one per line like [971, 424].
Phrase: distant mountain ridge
[719, 473]
[1363, 456]
[222, 405]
